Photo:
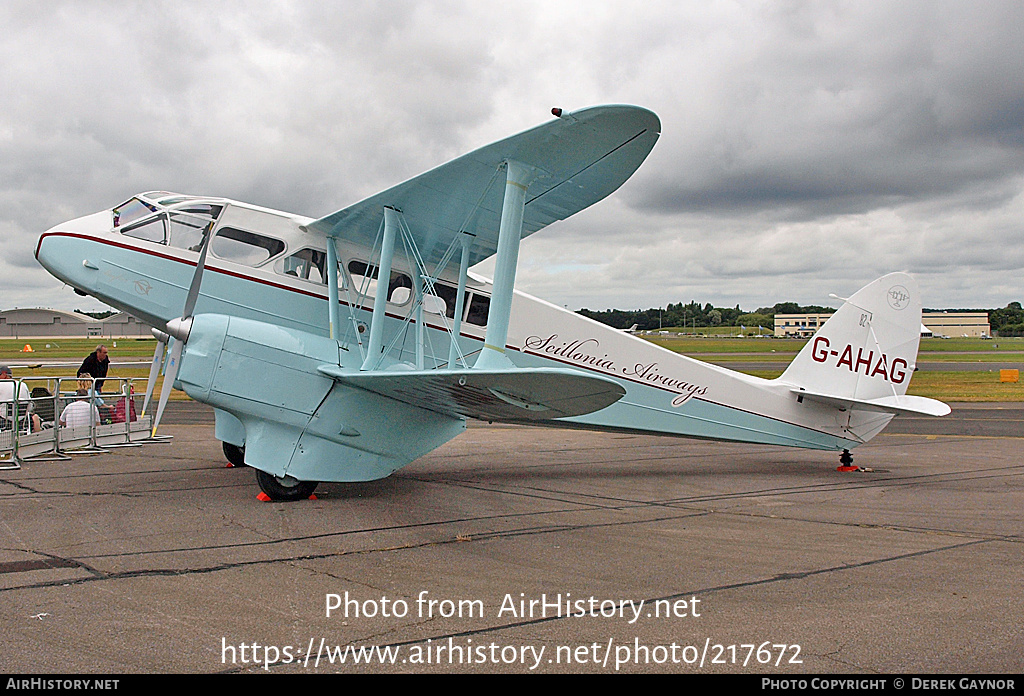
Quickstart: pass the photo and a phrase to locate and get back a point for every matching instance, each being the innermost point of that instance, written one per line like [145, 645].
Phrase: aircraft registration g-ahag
[317, 374]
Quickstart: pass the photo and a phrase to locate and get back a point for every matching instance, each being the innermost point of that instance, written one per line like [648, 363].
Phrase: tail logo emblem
[898, 297]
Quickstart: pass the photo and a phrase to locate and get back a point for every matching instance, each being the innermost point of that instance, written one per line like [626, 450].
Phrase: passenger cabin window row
[364, 281]
[186, 227]
[400, 289]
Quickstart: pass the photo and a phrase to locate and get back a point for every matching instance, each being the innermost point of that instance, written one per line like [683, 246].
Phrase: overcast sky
[806, 148]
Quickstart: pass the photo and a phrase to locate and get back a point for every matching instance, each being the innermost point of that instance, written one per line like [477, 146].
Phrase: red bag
[119, 409]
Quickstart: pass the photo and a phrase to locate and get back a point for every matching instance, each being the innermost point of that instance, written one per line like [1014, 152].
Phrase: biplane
[345, 347]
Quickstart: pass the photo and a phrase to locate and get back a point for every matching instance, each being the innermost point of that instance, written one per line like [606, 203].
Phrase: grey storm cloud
[806, 147]
[847, 109]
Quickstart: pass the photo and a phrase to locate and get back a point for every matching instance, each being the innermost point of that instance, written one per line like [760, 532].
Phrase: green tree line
[1008, 321]
[696, 314]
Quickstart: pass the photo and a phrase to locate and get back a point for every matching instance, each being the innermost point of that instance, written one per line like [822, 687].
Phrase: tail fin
[864, 355]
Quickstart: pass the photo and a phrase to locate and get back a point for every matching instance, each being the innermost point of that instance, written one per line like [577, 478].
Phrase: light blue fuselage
[665, 392]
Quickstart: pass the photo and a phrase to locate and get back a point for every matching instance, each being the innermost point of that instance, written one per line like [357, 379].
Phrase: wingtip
[645, 118]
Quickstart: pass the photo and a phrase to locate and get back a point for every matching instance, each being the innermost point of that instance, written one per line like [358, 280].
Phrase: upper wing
[582, 157]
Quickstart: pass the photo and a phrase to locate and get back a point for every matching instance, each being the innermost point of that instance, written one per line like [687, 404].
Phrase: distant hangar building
[957, 324]
[949, 324]
[54, 323]
[798, 325]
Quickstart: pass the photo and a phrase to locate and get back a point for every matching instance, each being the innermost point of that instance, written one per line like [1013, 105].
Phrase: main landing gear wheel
[234, 454]
[284, 487]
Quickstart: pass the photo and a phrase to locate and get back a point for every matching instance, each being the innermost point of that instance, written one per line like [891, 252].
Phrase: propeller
[158, 362]
[179, 330]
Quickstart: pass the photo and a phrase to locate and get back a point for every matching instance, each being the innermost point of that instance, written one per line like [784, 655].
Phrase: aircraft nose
[56, 247]
[46, 246]
[52, 253]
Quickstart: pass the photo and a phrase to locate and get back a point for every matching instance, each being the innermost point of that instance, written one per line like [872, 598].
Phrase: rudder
[867, 350]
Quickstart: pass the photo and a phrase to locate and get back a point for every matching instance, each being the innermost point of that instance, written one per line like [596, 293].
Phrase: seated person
[86, 381]
[80, 412]
[7, 403]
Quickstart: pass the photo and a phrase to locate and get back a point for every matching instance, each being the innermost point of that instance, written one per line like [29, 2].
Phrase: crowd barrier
[30, 427]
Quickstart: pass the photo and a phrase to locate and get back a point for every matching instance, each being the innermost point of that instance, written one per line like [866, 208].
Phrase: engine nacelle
[299, 422]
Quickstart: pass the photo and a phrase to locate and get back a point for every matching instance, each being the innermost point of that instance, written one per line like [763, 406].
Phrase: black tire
[234, 454]
[284, 487]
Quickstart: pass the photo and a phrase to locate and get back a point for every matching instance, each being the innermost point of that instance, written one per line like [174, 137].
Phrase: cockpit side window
[152, 230]
[188, 229]
[244, 247]
[131, 210]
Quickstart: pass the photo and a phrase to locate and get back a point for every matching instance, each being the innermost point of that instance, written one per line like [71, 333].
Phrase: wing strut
[460, 300]
[420, 334]
[380, 300]
[332, 289]
[517, 180]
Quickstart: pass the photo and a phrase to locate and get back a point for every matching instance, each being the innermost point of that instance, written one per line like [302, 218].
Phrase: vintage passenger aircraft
[318, 371]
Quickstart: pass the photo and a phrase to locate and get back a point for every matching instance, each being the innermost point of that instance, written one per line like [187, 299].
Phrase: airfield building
[798, 325]
[957, 324]
[54, 323]
[948, 324]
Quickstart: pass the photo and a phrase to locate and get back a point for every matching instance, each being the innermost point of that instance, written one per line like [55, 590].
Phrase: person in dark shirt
[95, 365]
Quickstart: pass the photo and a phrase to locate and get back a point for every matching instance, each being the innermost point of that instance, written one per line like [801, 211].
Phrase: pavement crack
[19, 486]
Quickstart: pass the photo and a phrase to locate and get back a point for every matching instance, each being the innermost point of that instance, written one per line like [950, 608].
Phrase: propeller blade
[170, 374]
[197, 277]
[154, 371]
[179, 328]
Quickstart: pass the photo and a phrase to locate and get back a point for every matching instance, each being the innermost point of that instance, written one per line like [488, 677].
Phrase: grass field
[945, 385]
[73, 351]
[691, 345]
[938, 384]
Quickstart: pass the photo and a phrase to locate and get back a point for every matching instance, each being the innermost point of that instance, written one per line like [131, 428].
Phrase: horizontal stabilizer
[519, 394]
[899, 405]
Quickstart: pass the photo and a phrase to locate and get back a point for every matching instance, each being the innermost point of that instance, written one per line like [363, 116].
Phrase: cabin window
[479, 306]
[152, 230]
[444, 303]
[308, 264]
[132, 210]
[364, 280]
[246, 248]
[433, 304]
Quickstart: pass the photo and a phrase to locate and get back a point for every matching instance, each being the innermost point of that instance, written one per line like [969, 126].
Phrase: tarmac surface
[160, 559]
